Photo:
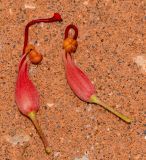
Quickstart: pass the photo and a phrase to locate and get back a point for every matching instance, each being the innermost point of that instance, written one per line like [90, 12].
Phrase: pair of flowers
[27, 97]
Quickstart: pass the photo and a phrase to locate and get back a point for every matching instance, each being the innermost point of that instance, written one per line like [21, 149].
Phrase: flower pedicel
[26, 94]
[78, 81]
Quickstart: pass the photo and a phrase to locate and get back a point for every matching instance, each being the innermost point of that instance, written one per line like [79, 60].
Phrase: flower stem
[32, 116]
[95, 100]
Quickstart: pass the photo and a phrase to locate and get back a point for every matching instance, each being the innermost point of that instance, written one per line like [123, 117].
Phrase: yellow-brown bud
[35, 57]
[70, 45]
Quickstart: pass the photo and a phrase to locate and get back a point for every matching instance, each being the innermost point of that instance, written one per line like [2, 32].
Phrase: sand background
[111, 51]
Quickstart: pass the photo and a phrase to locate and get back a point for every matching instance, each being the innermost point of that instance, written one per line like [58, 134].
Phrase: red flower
[26, 95]
[78, 80]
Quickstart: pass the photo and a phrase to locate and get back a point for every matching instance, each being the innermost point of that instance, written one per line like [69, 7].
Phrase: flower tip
[57, 16]
[48, 150]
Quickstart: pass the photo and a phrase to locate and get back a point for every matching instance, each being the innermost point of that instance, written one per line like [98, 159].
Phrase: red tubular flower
[26, 95]
[78, 80]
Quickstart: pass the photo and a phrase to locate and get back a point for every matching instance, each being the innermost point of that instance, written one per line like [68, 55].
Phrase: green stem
[95, 100]
[32, 116]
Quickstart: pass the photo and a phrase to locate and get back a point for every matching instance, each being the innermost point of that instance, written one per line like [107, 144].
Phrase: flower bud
[35, 57]
[70, 45]
[78, 80]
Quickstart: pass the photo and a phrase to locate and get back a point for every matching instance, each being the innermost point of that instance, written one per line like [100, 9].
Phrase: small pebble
[57, 154]
[89, 107]
[87, 126]
[108, 129]
[29, 6]
[50, 104]
[78, 110]
[10, 11]
[18, 139]
[86, 3]
[84, 157]
[141, 62]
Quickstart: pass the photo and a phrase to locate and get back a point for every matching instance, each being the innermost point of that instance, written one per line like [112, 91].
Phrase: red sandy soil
[111, 51]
